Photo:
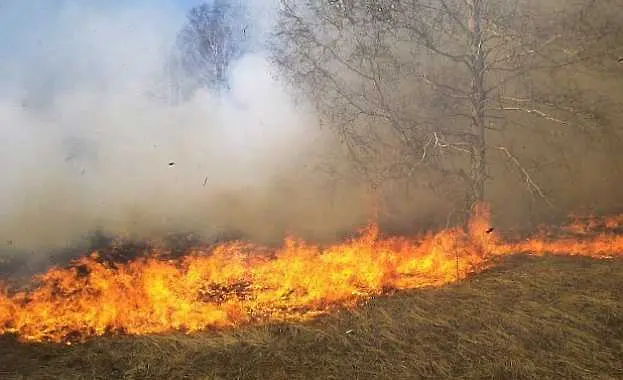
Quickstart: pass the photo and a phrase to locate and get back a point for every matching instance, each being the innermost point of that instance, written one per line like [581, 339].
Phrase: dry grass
[529, 318]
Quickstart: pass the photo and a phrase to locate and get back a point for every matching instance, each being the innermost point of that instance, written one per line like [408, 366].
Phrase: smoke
[85, 145]
[88, 146]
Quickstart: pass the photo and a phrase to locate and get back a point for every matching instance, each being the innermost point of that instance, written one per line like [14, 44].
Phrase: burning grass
[238, 284]
[549, 317]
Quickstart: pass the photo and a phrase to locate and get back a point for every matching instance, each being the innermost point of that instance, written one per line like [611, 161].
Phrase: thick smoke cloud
[86, 146]
[87, 142]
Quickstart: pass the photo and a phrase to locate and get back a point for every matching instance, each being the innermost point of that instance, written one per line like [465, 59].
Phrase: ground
[528, 318]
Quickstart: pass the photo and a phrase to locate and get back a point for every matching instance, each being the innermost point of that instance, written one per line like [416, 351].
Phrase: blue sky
[21, 21]
[34, 34]
[46, 45]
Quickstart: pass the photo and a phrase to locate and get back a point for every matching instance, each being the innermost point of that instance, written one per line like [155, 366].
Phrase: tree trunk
[478, 170]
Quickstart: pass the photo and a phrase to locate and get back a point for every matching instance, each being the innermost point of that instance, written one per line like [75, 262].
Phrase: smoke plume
[87, 146]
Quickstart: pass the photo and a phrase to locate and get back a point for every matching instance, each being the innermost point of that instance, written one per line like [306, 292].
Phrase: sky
[32, 16]
[23, 23]
[35, 31]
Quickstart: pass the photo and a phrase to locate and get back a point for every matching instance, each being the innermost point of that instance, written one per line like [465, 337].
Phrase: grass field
[528, 318]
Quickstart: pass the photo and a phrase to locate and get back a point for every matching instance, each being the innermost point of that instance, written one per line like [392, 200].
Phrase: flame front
[238, 283]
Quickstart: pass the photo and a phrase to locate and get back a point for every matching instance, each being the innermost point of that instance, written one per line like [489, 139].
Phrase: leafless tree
[431, 86]
[215, 35]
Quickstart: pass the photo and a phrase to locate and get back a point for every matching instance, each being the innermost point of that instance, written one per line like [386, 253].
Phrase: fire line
[239, 283]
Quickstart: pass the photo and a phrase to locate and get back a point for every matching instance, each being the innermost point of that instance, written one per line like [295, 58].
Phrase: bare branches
[537, 112]
[532, 185]
[427, 83]
[213, 37]
[441, 143]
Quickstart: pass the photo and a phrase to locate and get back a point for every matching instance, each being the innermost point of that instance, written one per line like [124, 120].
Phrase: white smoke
[85, 145]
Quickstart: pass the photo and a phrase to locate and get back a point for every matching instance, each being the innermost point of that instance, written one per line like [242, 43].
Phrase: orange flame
[239, 283]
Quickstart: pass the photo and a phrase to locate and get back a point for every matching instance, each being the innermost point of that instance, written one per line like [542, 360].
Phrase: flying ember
[237, 283]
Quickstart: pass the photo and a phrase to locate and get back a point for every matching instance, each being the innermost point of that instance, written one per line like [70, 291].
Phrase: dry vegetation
[529, 318]
[456, 99]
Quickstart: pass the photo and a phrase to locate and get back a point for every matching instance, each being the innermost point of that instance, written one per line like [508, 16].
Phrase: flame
[238, 283]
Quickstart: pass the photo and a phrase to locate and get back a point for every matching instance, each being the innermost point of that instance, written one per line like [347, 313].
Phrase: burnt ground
[19, 263]
[528, 318]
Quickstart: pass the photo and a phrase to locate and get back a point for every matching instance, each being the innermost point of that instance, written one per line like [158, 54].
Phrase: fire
[237, 283]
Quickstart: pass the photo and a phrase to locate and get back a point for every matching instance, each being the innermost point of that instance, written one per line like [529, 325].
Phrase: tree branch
[532, 186]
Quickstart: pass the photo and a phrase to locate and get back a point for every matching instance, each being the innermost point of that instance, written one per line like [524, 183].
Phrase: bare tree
[432, 86]
[214, 36]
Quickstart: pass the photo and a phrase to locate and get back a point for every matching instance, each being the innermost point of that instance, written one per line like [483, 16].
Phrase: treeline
[444, 103]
